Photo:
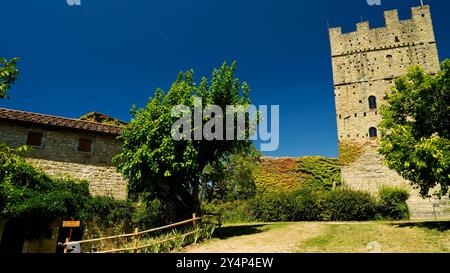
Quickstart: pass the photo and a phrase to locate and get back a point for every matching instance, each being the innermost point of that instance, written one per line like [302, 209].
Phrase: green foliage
[290, 174]
[272, 207]
[392, 203]
[348, 205]
[27, 193]
[176, 239]
[231, 179]
[314, 203]
[152, 213]
[106, 211]
[278, 175]
[156, 165]
[416, 129]
[230, 212]
[325, 171]
[349, 152]
[100, 118]
[8, 75]
[37, 199]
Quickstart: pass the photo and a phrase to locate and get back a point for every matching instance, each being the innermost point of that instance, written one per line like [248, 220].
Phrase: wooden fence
[136, 235]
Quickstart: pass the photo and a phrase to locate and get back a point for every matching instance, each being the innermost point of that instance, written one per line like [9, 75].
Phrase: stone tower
[365, 64]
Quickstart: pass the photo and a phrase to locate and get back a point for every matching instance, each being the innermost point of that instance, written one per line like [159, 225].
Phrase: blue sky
[109, 54]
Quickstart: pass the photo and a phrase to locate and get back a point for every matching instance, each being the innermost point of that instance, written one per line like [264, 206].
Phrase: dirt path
[266, 239]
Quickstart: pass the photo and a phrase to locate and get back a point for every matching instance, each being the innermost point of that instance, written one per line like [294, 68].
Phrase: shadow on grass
[234, 231]
[439, 225]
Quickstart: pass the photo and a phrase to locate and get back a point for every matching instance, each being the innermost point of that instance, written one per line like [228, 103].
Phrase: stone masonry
[365, 64]
[59, 155]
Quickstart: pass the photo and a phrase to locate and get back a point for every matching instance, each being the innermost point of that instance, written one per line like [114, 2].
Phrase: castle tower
[365, 64]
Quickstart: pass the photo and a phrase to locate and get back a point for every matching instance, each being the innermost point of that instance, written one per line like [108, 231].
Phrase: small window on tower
[84, 145]
[372, 103]
[373, 132]
[389, 57]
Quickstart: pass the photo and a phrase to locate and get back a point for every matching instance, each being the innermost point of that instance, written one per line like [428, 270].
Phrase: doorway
[13, 237]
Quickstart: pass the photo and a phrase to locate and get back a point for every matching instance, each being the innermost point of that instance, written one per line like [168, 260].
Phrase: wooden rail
[137, 234]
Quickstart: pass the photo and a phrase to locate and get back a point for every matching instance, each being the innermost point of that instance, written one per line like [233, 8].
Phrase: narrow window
[373, 132]
[389, 57]
[85, 145]
[34, 139]
[372, 103]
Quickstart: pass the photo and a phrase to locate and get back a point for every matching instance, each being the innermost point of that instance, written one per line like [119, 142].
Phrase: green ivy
[36, 199]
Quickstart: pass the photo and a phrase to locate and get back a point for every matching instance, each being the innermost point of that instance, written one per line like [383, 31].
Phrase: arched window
[372, 103]
[373, 132]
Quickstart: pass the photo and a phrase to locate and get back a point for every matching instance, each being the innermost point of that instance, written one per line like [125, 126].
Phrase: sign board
[71, 224]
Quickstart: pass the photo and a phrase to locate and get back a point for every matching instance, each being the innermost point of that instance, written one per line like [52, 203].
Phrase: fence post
[220, 220]
[65, 246]
[194, 220]
[135, 240]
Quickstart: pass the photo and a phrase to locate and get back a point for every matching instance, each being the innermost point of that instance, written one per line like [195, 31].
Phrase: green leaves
[8, 75]
[34, 198]
[415, 129]
[157, 165]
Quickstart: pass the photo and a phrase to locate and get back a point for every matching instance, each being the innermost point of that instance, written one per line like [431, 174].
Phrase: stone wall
[44, 245]
[59, 156]
[369, 173]
[365, 64]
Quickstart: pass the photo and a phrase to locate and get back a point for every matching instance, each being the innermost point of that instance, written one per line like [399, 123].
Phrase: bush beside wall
[313, 204]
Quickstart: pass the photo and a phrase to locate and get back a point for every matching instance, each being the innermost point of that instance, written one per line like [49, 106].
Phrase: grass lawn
[419, 237]
[329, 237]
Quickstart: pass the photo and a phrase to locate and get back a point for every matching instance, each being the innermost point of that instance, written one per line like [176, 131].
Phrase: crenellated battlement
[365, 63]
[396, 32]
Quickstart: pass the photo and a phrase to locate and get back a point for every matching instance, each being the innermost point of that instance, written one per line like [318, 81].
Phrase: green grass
[393, 238]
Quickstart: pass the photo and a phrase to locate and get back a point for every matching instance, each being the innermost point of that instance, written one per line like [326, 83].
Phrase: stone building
[65, 147]
[365, 64]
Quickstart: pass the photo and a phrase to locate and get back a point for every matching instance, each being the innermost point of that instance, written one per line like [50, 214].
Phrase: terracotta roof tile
[28, 117]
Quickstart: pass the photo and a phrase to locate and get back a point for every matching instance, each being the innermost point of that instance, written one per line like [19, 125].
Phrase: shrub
[349, 205]
[231, 212]
[392, 203]
[273, 207]
[309, 203]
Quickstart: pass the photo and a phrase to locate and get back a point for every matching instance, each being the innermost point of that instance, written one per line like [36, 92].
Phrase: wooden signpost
[70, 224]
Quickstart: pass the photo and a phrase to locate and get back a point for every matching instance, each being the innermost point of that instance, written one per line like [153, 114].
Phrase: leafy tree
[8, 75]
[416, 129]
[159, 167]
[233, 178]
